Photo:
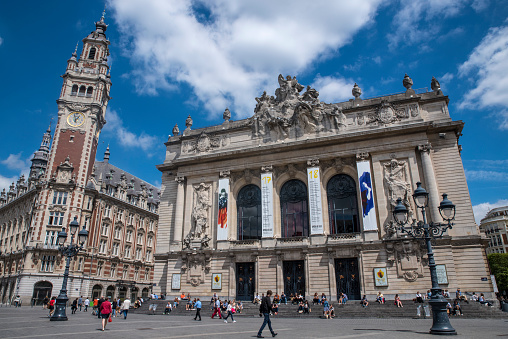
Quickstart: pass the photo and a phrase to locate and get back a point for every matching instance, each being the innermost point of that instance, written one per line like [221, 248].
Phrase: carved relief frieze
[338, 163]
[290, 169]
[388, 113]
[205, 143]
[195, 266]
[407, 255]
[397, 184]
[201, 208]
[77, 107]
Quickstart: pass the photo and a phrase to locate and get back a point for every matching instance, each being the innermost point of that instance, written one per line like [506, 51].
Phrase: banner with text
[367, 194]
[267, 205]
[315, 207]
[222, 219]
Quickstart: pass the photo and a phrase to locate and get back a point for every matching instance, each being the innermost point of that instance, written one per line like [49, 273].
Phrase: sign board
[175, 281]
[315, 206]
[367, 195]
[442, 277]
[380, 277]
[267, 205]
[222, 214]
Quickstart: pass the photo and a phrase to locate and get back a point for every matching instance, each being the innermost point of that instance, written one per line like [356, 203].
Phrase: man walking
[125, 308]
[99, 303]
[217, 309]
[197, 305]
[80, 302]
[265, 308]
[87, 303]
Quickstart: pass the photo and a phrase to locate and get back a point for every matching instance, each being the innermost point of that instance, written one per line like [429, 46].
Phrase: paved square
[29, 322]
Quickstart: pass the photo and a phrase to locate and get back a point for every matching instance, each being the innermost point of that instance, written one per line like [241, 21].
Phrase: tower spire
[106, 154]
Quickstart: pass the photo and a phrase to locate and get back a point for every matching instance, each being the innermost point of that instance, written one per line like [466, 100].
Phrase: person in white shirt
[87, 303]
[125, 307]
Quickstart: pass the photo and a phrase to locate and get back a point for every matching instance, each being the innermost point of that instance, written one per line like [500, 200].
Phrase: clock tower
[81, 116]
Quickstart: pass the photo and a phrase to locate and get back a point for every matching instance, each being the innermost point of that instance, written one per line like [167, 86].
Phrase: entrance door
[294, 277]
[42, 289]
[347, 276]
[245, 281]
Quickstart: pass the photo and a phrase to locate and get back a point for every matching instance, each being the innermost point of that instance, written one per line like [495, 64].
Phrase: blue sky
[170, 59]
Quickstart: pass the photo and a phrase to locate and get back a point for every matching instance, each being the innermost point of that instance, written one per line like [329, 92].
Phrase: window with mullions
[342, 205]
[248, 206]
[294, 209]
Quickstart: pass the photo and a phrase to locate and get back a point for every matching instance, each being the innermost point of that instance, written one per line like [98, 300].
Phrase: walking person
[105, 312]
[99, 303]
[74, 306]
[265, 308]
[217, 309]
[87, 303]
[80, 302]
[229, 309]
[113, 307]
[197, 305]
[52, 306]
[125, 308]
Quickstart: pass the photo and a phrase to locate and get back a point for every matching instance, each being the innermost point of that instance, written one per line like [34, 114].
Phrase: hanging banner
[267, 205]
[222, 218]
[367, 194]
[315, 207]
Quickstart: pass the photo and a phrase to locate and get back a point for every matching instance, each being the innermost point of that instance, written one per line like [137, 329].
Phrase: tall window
[100, 265]
[116, 247]
[342, 205]
[147, 273]
[127, 252]
[59, 198]
[102, 246]
[107, 210]
[80, 264]
[138, 253]
[136, 273]
[125, 273]
[128, 236]
[55, 218]
[148, 256]
[140, 239]
[248, 206]
[74, 90]
[47, 263]
[105, 229]
[118, 232]
[91, 55]
[50, 238]
[149, 241]
[112, 273]
[293, 204]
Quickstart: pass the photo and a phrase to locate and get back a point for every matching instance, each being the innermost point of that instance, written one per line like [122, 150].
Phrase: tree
[499, 266]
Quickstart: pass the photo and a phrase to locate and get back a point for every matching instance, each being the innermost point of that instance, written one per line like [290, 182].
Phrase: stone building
[119, 210]
[299, 198]
[495, 227]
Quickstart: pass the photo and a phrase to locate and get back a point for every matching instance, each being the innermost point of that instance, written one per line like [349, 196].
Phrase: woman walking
[105, 312]
[230, 313]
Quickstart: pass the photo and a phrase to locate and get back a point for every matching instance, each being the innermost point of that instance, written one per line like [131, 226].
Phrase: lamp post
[427, 231]
[69, 251]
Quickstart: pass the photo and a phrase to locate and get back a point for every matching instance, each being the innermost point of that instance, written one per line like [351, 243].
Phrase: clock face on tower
[76, 119]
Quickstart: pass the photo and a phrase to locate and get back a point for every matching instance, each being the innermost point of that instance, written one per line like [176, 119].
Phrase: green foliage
[499, 265]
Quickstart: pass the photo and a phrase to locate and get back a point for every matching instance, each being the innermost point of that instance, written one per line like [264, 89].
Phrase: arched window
[293, 205]
[74, 90]
[248, 206]
[91, 55]
[342, 204]
[89, 92]
[82, 91]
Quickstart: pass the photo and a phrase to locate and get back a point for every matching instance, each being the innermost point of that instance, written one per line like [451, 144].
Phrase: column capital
[425, 147]
[225, 174]
[362, 156]
[313, 162]
[267, 168]
[180, 179]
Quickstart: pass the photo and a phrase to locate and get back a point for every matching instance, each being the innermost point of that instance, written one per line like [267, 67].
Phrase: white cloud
[126, 138]
[419, 21]
[5, 182]
[1, 41]
[229, 51]
[481, 210]
[487, 68]
[333, 89]
[14, 162]
[480, 5]
[481, 175]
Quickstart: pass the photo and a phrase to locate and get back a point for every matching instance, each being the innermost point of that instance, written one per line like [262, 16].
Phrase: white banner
[315, 207]
[222, 216]
[367, 195]
[267, 205]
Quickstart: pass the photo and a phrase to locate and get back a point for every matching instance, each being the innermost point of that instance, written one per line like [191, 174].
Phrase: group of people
[228, 307]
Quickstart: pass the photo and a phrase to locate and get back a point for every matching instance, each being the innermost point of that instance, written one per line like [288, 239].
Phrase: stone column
[179, 209]
[430, 181]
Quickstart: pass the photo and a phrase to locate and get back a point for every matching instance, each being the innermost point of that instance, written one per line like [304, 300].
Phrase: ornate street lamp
[69, 251]
[423, 230]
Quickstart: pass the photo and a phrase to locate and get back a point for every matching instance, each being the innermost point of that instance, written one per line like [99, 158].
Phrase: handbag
[109, 319]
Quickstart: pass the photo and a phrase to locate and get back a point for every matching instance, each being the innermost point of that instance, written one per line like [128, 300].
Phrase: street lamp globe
[420, 196]
[446, 208]
[62, 235]
[82, 235]
[74, 226]
[400, 212]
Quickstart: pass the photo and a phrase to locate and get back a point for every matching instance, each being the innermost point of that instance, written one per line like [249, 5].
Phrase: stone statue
[339, 117]
[176, 130]
[226, 115]
[357, 91]
[396, 182]
[407, 82]
[188, 122]
[200, 210]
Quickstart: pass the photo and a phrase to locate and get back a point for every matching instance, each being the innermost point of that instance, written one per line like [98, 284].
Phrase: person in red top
[52, 306]
[105, 312]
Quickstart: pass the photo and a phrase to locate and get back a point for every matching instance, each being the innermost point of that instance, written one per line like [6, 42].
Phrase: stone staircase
[352, 309]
